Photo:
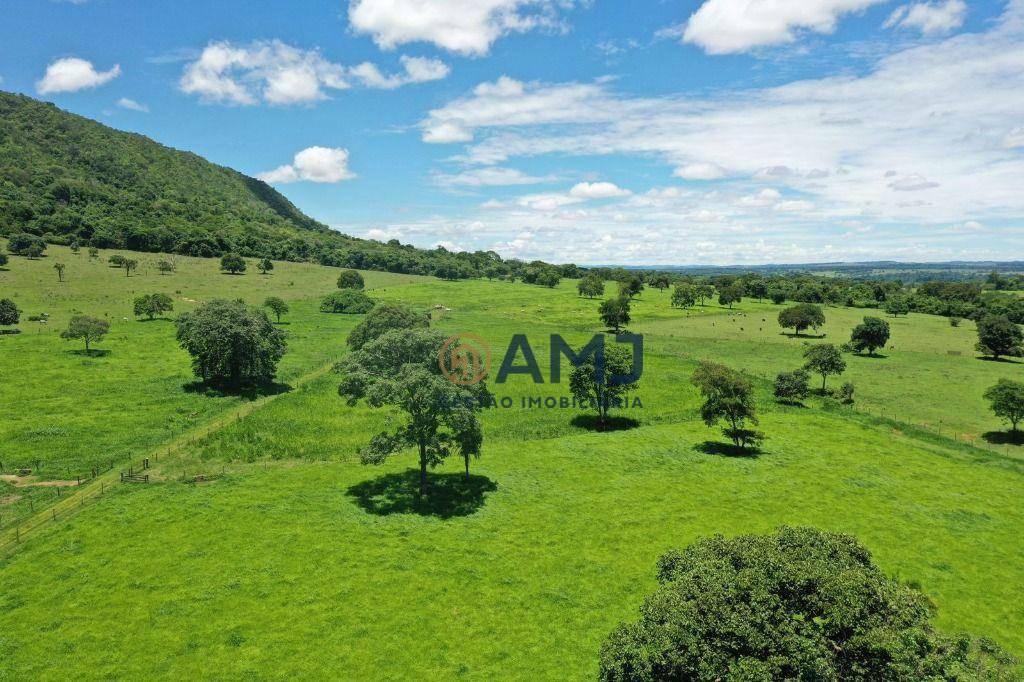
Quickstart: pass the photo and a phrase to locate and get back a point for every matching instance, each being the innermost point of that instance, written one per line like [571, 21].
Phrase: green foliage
[384, 318]
[165, 266]
[60, 268]
[684, 295]
[871, 334]
[1007, 401]
[89, 329]
[778, 296]
[129, 265]
[705, 292]
[631, 286]
[543, 276]
[802, 316]
[728, 397]
[791, 387]
[590, 286]
[24, 244]
[897, 305]
[602, 390]
[9, 313]
[231, 344]
[276, 305]
[350, 279]
[3, 259]
[232, 263]
[800, 604]
[998, 337]
[151, 305]
[401, 370]
[845, 393]
[615, 313]
[264, 266]
[347, 301]
[731, 295]
[824, 359]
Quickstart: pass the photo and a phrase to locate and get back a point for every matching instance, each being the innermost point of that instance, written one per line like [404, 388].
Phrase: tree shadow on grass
[793, 335]
[871, 356]
[989, 358]
[590, 422]
[155, 319]
[448, 495]
[1004, 437]
[248, 392]
[710, 447]
[91, 353]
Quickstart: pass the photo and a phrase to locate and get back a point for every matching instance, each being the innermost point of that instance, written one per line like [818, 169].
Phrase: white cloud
[929, 17]
[765, 197]
[314, 164]
[913, 183]
[730, 26]
[467, 27]
[1014, 139]
[489, 177]
[794, 206]
[597, 190]
[71, 74]
[280, 74]
[700, 171]
[132, 105]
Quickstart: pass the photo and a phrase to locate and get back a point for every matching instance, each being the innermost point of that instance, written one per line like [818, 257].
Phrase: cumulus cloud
[489, 177]
[929, 17]
[700, 171]
[730, 26]
[314, 164]
[597, 190]
[281, 74]
[468, 27]
[132, 105]
[71, 74]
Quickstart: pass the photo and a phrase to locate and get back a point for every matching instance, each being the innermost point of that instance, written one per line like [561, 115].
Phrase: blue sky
[600, 131]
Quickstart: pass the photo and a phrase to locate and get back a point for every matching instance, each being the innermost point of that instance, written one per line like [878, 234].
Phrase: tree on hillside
[151, 305]
[998, 337]
[232, 264]
[631, 286]
[791, 387]
[802, 316]
[728, 397]
[684, 295]
[384, 318]
[129, 266]
[897, 305]
[277, 306]
[347, 301]
[116, 260]
[871, 334]
[615, 313]
[778, 296]
[9, 314]
[1007, 401]
[705, 292]
[824, 359]
[661, 282]
[591, 286]
[350, 279]
[757, 288]
[603, 390]
[164, 266]
[798, 604]
[231, 344]
[24, 244]
[88, 329]
[76, 247]
[94, 252]
[730, 295]
[59, 267]
[265, 266]
[400, 370]
[548, 277]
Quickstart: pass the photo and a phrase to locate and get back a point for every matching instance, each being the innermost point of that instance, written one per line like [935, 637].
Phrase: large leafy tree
[88, 329]
[151, 305]
[231, 344]
[824, 359]
[402, 370]
[799, 604]
[684, 295]
[728, 397]
[615, 313]
[24, 244]
[232, 263]
[9, 313]
[1007, 401]
[591, 286]
[382, 319]
[605, 389]
[350, 279]
[801, 317]
[347, 301]
[276, 305]
[791, 387]
[871, 334]
[998, 337]
[730, 295]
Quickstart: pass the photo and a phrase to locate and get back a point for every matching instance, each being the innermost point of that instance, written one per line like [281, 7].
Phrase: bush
[232, 263]
[798, 604]
[8, 312]
[792, 387]
[350, 279]
[382, 319]
[24, 244]
[347, 301]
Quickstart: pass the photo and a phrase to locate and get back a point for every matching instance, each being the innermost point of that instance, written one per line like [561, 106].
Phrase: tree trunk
[824, 378]
[466, 455]
[423, 469]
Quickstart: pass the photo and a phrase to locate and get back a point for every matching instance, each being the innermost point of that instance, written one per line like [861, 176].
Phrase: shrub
[24, 244]
[792, 387]
[232, 263]
[347, 301]
[350, 279]
[382, 319]
[8, 312]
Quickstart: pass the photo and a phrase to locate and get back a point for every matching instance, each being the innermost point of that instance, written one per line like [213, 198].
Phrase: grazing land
[266, 548]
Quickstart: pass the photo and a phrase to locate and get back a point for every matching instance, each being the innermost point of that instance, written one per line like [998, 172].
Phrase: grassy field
[295, 560]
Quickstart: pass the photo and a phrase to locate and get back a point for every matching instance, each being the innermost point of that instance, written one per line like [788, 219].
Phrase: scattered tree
[94, 252]
[705, 292]
[116, 260]
[845, 393]
[548, 277]
[799, 604]
[164, 266]
[347, 301]
[606, 390]
[231, 344]
[684, 295]
[1007, 401]
[9, 314]
[791, 387]
[75, 247]
[232, 263]
[730, 295]
[3, 259]
[897, 305]
[384, 318]
[350, 279]
[802, 316]
[631, 286]
[265, 266]
[998, 337]
[728, 397]
[129, 265]
[276, 306]
[824, 359]
[59, 267]
[661, 282]
[151, 305]
[400, 370]
[871, 334]
[954, 321]
[88, 329]
[778, 296]
[591, 286]
[28, 245]
[615, 313]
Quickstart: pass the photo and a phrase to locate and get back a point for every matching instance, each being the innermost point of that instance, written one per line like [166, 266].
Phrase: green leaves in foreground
[800, 604]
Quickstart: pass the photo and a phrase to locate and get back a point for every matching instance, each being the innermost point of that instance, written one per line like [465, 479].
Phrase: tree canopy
[232, 263]
[276, 305]
[998, 337]
[871, 334]
[347, 301]
[728, 397]
[88, 329]
[9, 313]
[802, 316]
[350, 279]
[824, 359]
[601, 390]
[382, 319]
[151, 305]
[1007, 401]
[615, 313]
